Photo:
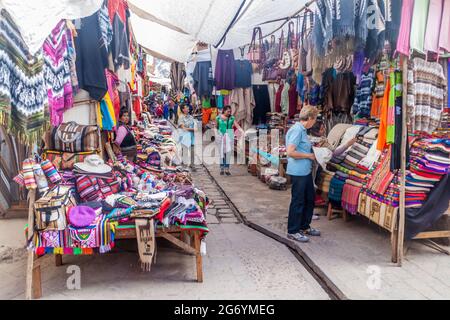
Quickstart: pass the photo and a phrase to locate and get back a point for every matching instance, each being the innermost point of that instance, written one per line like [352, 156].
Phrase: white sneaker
[300, 237]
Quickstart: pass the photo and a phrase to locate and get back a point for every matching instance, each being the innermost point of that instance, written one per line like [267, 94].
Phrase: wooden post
[31, 279]
[198, 256]
[401, 212]
[58, 260]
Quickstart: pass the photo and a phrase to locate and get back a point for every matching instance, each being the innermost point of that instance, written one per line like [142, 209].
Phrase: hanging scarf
[23, 95]
[361, 30]
[343, 18]
[376, 33]
[393, 9]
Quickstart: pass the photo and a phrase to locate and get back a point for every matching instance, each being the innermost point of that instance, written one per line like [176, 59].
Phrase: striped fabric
[105, 25]
[23, 95]
[57, 72]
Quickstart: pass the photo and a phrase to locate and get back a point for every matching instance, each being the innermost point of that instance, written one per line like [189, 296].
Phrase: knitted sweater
[426, 90]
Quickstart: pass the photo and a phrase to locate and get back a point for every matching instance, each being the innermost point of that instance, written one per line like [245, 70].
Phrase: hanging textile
[92, 59]
[243, 74]
[403, 44]
[393, 10]
[105, 26]
[426, 91]
[418, 25]
[444, 34]
[278, 98]
[363, 98]
[262, 104]
[120, 43]
[23, 95]
[293, 99]
[113, 82]
[57, 73]
[177, 75]
[225, 70]
[203, 79]
[242, 105]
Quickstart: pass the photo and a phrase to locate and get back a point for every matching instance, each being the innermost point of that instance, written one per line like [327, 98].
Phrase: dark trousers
[302, 204]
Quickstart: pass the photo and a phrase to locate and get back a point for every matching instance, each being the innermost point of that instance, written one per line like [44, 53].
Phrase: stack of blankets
[351, 169]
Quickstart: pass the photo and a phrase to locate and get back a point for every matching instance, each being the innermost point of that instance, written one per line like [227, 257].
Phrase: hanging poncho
[57, 72]
[23, 95]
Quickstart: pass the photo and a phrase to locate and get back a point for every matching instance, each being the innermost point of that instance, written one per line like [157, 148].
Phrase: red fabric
[278, 98]
[426, 175]
[293, 101]
[137, 107]
[119, 7]
[163, 208]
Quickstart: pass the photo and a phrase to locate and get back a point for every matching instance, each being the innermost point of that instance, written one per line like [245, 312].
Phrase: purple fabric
[81, 216]
[225, 70]
[358, 64]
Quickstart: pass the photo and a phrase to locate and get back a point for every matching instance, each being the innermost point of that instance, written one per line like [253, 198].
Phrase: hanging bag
[285, 58]
[255, 52]
[292, 46]
[51, 209]
[305, 57]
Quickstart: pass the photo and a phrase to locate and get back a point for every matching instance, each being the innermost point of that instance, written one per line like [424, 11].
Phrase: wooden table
[186, 239]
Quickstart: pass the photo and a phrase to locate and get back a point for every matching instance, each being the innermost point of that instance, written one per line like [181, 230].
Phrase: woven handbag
[73, 137]
[51, 209]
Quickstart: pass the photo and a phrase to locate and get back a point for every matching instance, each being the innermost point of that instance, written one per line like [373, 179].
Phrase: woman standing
[187, 126]
[300, 160]
[225, 126]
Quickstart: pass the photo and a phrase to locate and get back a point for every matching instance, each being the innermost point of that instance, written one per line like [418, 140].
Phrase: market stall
[65, 98]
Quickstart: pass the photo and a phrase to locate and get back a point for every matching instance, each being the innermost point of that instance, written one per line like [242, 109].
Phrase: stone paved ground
[349, 253]
[240, 264]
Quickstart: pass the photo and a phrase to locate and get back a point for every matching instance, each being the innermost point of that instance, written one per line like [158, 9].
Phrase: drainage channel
[322, 279]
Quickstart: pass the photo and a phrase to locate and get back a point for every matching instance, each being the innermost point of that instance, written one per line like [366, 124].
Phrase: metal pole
[401, 212]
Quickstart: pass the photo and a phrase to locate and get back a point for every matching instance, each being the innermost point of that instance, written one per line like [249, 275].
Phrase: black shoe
[222, 173]
[228, 173]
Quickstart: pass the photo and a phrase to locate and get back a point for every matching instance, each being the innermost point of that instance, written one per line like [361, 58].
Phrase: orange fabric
[377, 101]
[206, 115]
[384, 117]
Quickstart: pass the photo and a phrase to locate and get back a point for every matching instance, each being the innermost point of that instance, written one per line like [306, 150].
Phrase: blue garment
[298, 136]
[107, 120]
[300, 86]
[166, 111]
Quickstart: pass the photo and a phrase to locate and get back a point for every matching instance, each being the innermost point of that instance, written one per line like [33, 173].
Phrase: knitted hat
[81, 216]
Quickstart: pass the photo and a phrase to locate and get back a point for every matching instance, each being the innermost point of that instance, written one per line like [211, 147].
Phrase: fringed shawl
[23, 95]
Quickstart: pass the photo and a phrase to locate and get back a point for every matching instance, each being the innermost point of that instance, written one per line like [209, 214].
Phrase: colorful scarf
[57, 72]
[23, 95]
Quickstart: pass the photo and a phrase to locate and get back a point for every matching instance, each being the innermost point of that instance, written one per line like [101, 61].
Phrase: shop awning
[175, 26]
[170, 28]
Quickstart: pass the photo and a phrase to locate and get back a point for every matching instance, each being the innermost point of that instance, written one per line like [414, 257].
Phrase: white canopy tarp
[206, 21]
[37, 18]
[168, 27]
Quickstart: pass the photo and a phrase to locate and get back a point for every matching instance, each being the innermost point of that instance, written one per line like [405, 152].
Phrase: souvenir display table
[94, 205]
